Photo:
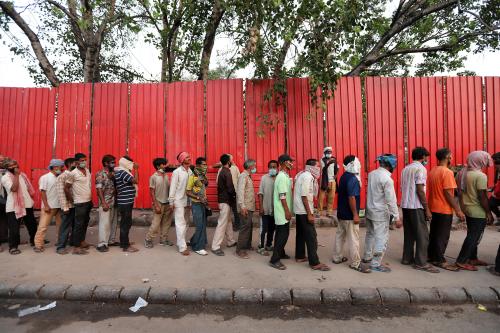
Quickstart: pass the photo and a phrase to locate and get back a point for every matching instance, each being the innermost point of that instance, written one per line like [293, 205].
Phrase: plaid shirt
[60, 182]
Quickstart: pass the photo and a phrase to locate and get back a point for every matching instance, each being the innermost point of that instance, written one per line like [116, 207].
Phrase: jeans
[125, 224]
[82, 218]
[347, 234]
[14, 227]
[376, 239]
[280, 239]
[68, 220]
[199, 239]
[416, 237]
[475, 230]
[306, 237]
[439, 236]
[267, 227]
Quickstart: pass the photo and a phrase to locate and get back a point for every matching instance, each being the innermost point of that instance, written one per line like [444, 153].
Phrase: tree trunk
[91, 63]
[208, 42]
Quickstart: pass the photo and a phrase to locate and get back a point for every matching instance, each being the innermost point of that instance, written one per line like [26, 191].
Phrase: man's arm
[288, 214]
[15, 183]
[483, 200]
[68, 192]
[392, 202]
[135, 172]
[423, 201]
[354, 210]
[46, 206]
[173, 188]
[240, 195]
[448, 194]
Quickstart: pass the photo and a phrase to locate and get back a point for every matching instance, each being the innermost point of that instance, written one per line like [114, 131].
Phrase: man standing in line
[50, 202]
[306, 188]
[283, 209]
[416, 212]
[106, 192]
[126, 180]
[226, 196]
[473, 184]
[178, 199]
[196, 189]
[67, 208]
[4, 231]
[267, 226]
[441, 187]
[159, 187]
[348, 215]
[78, 191]
[381, 209]
[329, 169]
[245, 197]
[19, 204]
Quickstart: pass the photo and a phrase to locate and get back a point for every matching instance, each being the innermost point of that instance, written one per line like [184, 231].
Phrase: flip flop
[320, 267]
[278, 265]
[14, 251]
[467, 267]
[427, 268]
[301, 259]
[447, 266]
[477, 262]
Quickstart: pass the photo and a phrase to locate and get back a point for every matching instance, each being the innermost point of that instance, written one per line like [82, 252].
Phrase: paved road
[91, 317]
[164, 266]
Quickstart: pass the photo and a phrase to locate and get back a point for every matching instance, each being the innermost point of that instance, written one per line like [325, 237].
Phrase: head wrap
[388, 159]
[182, 156]
[327, 148]
[354, 167]
[56, 163]
[476, 160]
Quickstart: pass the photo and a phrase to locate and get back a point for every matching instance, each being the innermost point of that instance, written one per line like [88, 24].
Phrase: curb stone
[336, 296]
[248, 296]
[365, 296]
[306, 296]
[424, 295]
[497, 290]
[481, 294]
[107, 293]
[130, 294]
[159, 295]
[453, 295]
[6, 288]
[190, 296]
[80, 292]
[27, 290]
[390, 295]
[278, 296]
[53, 291]
[219, 296]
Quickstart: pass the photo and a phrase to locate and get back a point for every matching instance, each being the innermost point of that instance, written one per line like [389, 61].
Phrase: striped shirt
[413, 174]
[125, 189]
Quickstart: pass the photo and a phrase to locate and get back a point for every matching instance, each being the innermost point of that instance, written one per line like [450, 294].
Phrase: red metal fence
[365, 117]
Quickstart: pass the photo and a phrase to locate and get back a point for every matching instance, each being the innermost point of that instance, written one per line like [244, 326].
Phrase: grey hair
[7, 161]
[248, 163]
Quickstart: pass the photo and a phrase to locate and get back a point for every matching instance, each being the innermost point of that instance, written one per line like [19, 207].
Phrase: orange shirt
[439, 179]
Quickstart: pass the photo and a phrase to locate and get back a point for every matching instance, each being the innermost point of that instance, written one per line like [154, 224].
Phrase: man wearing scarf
[473, 184]
[19, 204]
[245, 198]
[178, 199]
[329, 169]
[126, 180]
[305, 189]
[348, 215]
[381, 208]
[197, 190]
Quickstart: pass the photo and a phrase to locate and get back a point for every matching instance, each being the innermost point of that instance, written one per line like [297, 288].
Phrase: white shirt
[413, 174]
[47, 183]
[177, 193]
[304, 187]
[381, 201]
[81, 185]
[7, 184]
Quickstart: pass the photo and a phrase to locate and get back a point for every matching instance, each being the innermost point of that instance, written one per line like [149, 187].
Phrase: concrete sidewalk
[165, 267]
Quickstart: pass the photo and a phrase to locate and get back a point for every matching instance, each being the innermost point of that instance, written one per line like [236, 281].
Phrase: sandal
[301, 259]
[148, 244]
[337, 262]
[185, 252]
[62, 251]
[447, 266]
[381, 268]
[361, 269]
[477, 262]
[218, 252]
[14, 251]
[130, 249]
[242, 254]
[467, 267]
[278, 265]
[79, 251]
[426, 268]
[38, 249]
[320, 267]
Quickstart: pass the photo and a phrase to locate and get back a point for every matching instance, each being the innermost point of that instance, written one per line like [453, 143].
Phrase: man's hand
[47, 208]
[356, 219]
[310, 218]
[244, 212]
[461, 216]
[105, 206]
[171, 206]
[398, 223]
[428, 214]
[17, 171]
[261, 211]
[288, 215]
[157, 207]
[489, 218]
[136, 166]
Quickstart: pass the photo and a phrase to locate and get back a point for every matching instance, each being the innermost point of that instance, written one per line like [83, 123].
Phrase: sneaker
[148, 244]
[102, 248]
[166, 243]
[381, 268]
[202, 252]
[218, 252]
[62, 251]
[269, 248]
[262, 251]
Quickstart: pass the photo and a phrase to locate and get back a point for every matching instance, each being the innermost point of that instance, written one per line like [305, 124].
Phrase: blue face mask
[273, 172]
[254, 170]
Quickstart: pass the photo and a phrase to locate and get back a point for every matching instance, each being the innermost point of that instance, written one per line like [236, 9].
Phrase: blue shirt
[348, 187]
[125, 189]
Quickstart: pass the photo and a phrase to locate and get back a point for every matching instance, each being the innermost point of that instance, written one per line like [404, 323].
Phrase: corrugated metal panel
[464, 105]
[344, 123]
[73, 119]
[109, 124]
[146, 136]
[425, 114]
[184, 128]
[225, 131]
[385, 118]
[11, 111]
[492, 118]
[304, 123]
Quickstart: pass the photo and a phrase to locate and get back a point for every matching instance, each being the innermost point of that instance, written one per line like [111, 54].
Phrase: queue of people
[427, 199]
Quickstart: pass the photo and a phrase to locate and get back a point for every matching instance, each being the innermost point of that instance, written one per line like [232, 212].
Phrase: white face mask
[328, 155]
